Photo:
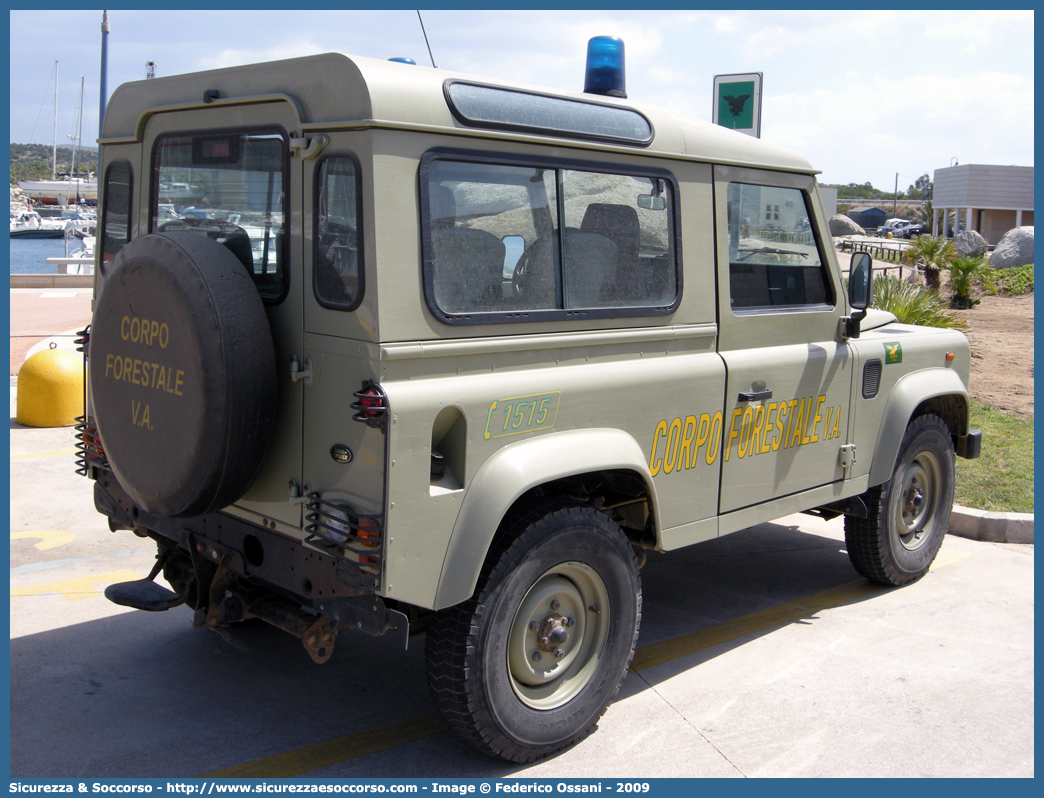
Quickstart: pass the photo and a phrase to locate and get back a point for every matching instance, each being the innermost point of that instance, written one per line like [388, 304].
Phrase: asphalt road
[761, 654]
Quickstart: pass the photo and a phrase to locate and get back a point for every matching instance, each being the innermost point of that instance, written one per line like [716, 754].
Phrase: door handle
[754, 396]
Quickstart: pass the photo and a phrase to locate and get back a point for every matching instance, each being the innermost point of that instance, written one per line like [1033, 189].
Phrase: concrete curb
[52, 280]
[968, 522]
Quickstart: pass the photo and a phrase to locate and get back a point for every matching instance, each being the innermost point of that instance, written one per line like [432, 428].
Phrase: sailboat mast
[76, 146]
[104, 74]
[54, 141]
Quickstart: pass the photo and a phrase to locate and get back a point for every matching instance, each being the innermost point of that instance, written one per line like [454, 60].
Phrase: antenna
[150, 70]
[426, 40]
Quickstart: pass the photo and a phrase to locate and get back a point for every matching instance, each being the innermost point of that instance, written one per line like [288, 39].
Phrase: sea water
[29, 255]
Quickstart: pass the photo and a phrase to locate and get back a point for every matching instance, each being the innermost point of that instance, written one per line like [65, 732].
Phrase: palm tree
[931, 254]
[965, 271]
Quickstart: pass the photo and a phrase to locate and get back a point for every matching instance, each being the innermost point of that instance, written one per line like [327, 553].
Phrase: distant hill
[33, 161]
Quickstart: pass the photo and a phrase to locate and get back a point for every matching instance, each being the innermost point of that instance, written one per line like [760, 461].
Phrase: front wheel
[910, 513]
[528, 665]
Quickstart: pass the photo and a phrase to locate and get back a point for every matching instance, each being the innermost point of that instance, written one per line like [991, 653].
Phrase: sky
[864, 95]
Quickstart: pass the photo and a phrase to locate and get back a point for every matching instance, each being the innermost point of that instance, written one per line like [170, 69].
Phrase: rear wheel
[527, 666]
[910, 513]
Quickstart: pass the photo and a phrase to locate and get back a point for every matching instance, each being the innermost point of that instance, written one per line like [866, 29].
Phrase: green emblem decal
[893, 353]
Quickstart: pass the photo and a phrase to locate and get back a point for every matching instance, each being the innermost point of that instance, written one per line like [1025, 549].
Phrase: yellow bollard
[50, 389]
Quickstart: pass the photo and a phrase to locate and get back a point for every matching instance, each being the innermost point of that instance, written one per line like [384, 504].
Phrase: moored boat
[61, 191]
[28, 224]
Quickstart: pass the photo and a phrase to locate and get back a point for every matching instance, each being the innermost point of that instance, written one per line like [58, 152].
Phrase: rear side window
[228, 186]
[115, 228]
[513, 242]
[338, 268]
[775, 262]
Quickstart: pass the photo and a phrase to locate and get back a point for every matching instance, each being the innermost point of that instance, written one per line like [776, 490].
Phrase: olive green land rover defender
[386, 347]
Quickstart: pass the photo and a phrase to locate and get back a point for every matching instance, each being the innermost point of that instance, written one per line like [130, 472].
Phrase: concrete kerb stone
[968, 522]
[52, 280]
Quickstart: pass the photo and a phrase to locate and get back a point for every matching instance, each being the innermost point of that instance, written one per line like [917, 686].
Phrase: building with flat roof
[867, 216]
[989, 199]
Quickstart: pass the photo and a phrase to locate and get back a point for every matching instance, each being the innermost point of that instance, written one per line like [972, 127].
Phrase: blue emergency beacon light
[605, 67]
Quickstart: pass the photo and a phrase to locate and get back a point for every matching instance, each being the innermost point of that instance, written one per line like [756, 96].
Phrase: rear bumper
[270, 561]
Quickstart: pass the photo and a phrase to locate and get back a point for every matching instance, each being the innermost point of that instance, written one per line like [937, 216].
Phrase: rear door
[789, 373]
[223, 172]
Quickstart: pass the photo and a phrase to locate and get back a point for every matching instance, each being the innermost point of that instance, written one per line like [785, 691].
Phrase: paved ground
[39, 313]
[761, 654]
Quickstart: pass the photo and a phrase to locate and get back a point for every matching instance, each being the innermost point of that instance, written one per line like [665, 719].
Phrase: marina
[30, 256]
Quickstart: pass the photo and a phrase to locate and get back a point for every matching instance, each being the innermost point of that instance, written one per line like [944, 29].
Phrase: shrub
[1018, 281]
[965, 272]
[912, 304]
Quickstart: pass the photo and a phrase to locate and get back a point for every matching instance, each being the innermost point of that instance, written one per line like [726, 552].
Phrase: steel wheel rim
[918, 501]
[549, 659]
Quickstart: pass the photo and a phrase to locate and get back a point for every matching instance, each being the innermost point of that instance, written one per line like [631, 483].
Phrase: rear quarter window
[116, 218]
[338, 274]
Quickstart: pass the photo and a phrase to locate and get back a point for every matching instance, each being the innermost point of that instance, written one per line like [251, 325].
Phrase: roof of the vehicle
[332, 90]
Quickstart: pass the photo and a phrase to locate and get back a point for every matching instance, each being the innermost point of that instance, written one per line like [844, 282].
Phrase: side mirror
[860, 285]
[860, 292]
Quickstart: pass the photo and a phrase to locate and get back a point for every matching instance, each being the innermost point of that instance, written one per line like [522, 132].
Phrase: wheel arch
[939, 391]
[559, 464]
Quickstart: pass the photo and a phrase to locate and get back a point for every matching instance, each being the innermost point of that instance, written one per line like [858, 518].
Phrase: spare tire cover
[182, 374]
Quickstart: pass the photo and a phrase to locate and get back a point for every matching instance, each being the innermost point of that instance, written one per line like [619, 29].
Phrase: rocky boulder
[841, 225]
[1014, 249]
[970, 243]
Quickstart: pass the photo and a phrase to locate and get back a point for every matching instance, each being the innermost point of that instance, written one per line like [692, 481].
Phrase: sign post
[737, 102]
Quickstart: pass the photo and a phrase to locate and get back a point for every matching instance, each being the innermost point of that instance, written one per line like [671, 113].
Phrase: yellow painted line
[332, 752]
[39, 455]
[76, 589]
[371, 741]
[49, 538]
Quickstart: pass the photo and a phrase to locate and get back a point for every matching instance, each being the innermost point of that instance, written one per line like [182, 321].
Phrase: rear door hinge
[306, 148]
[297, 373]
